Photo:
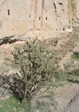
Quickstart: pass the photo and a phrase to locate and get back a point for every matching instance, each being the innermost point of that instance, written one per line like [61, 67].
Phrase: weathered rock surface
[40, 16]
[76, 50]
[68, 98]
[73, 105]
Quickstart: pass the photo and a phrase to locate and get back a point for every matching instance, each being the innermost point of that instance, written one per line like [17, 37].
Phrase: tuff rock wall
[24, 16]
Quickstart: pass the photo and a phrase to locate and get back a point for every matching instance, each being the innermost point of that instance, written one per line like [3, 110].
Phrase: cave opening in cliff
[39, 18]
[8, 12]
[46, 18]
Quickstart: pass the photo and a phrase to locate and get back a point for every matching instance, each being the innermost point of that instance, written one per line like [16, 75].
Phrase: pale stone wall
[22, 16]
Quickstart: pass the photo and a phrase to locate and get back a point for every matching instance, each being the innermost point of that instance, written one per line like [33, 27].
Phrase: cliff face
[20, 16]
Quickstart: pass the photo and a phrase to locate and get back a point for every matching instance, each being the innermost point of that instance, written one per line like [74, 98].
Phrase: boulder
[76, 50]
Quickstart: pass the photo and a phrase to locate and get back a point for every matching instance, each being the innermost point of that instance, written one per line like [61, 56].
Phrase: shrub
[75, 56]
[37, 64]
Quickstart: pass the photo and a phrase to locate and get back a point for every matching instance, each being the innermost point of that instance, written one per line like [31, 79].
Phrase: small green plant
[37, 64]
[11, 105]
[43, 106]
[75, 56]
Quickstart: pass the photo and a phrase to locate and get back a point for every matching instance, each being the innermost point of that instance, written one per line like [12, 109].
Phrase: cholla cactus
[37, 64]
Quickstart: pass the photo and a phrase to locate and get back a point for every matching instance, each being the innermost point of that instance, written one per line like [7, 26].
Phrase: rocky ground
[60, 97]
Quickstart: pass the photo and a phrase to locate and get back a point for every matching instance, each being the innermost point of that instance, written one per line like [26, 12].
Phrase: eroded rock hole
[8, 12]
[72, 20]
[54, 5]
[60, 4]
[29, 16]
[39, 18]
[46, 18]
[62, 9]
[63, 29]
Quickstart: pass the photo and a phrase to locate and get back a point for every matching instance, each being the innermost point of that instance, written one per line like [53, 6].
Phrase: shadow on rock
[14, 85]
[74, 72]
[73, 81]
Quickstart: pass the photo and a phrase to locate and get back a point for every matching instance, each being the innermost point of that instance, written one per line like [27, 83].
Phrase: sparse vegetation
[75, 56]
[11, 105]
[37, 64]
[73, 5]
